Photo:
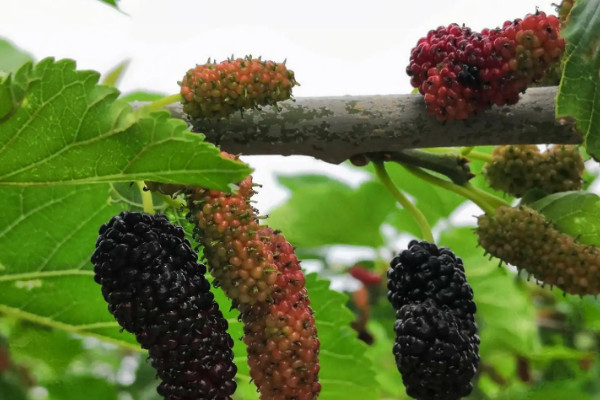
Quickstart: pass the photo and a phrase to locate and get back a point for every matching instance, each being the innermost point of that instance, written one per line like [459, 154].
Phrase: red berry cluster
[258, 270]
[460, 71]
[217, 90]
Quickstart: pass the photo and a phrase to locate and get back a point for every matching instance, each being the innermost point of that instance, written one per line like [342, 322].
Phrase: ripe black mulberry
[156, 289]
[436, 346]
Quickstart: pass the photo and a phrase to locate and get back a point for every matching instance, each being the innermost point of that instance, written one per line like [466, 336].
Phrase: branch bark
[335, 128]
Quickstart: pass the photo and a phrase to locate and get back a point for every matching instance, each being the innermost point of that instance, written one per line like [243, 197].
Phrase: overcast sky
[335, 47]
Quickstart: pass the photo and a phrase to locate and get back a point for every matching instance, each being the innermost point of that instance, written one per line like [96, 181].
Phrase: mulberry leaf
[64, 128]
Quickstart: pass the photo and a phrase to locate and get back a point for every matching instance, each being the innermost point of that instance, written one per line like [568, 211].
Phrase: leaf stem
[163, 102]
[485, 201]
[44, 274]
[146, 197]
[418, 216]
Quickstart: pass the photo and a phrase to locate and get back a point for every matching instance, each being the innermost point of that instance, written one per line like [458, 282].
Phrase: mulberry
[515, 169]
[156, 290]
[365, 276]
[460, 71]
[524, 238]
[238, 256]
[436, 351]
[424, 271]
[217, 90]
[258, 270]
[436, 346]
[280, 335]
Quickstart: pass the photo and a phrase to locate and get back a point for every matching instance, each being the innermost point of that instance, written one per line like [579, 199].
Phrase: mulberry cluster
[156, 290]
[460, 71]
[437, 347]
[524, 238]
[216, 90]
[515, 169]
[258, 270]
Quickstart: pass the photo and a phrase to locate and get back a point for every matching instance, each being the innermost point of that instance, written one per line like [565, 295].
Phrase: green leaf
[574, 213]
[66, 129]
[324, 211]
[142, 96]
[72, 388]
[12, 386]
[47, 236]
[505, 314]
[580, 84]
[111, 3]
[571, 389]
[11, 57]
[380, 353]
[112, 77]
[47, 352]
[342, 357]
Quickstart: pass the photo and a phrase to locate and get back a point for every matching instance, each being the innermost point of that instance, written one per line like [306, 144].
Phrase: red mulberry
[281, 335]
[238, 256]
[460, 72]
[156, 290]
[217, 90]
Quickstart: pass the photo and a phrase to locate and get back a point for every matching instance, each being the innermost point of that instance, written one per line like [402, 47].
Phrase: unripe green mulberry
[524, 238]
[217, 90]
[515, 169]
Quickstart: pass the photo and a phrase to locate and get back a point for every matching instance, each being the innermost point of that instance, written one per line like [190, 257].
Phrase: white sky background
[334, 47]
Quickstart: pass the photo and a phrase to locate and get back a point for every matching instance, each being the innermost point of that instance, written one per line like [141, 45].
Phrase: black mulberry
[436, 351]
[425, 271]
[436, 345]
[156, 289]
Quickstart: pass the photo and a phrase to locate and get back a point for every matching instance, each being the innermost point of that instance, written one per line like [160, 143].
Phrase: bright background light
[334, 47]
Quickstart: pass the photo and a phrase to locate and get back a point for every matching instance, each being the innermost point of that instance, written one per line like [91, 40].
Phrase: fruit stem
[465, 151]
[163, 102]
[468, 191]
[477, 155]
[418, 216]
[146, 197]
[171, 201]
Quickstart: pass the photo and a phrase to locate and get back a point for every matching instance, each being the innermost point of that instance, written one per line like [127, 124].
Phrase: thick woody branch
[335, 128]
